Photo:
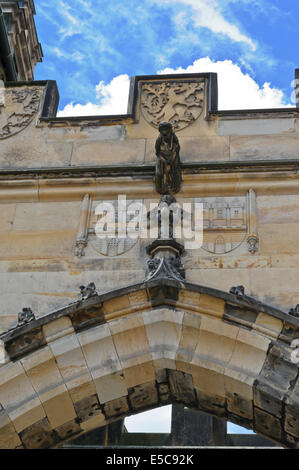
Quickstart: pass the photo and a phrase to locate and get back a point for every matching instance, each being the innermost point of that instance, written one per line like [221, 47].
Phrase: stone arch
[109, 356]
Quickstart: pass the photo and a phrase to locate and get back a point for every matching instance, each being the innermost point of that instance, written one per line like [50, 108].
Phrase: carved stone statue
[168, 178]
[25, 316]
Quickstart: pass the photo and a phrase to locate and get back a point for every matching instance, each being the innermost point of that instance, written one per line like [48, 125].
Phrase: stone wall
[48, 165]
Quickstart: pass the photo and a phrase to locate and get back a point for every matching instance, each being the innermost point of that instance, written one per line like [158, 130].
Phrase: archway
[112, 355]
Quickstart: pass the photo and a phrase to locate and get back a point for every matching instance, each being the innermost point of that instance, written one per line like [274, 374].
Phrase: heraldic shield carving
[18, 107]
[178, 102]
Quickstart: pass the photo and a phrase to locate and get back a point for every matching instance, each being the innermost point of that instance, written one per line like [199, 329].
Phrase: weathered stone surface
[67, 430]
[117, 407]
[264, 147]
[255, 126]
[87, 408]
[276, 378]
[39, 436]
[143, 396]
[106, 152]
[182, 388]
[267, 424]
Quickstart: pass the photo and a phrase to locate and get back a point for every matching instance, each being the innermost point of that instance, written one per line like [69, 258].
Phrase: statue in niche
[168, 178]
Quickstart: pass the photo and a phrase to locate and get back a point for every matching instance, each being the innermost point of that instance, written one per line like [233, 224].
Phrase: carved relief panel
[18, 107]
[110, 245]
[179, 102]
[228, 222]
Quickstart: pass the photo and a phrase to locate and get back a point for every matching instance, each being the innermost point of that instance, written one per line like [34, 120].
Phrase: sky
[93, 47]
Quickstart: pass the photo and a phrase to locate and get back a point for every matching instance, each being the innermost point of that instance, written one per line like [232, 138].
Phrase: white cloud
[208, 15]
[237, 90]
[112, 99]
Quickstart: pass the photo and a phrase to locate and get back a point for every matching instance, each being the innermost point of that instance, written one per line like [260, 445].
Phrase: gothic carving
[252, 241]
[18, 109]
[88, 291]
[168, 177]
[295, 311]
[178, 102]
[25, 316]
[239, 291]
[169, 267]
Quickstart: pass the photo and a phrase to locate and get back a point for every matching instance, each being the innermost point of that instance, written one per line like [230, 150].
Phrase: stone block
[143, 396]
[70, 361]
[39, 436]
[111, 387]
[36, 217]
[117, 304]
[18, 397]
[249, 353]
[132, 347]
[251, 126]
[189, 338]
[270, 324]
[280, 209]
[182, 387]
[99, 351]
[267, 424]
[163, 330]
[209, 381]
[115, 408]
[139, 374]
[68, 430]
[36, 245]
[35, 153]
[83, 390]
[88, 407]
[271, 147]
[7, 212]
[59, 408]
[9, 439]
[210, 403]
[108, 152]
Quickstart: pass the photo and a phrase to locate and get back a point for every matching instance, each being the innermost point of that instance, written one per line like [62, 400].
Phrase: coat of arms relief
[18, 107]
[178, 102]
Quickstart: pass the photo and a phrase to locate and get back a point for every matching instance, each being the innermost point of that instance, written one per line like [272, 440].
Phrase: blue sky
[92, 47]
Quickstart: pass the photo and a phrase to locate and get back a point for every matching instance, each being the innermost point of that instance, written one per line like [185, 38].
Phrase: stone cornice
[199, 180]
[92, 311]
[271, 166]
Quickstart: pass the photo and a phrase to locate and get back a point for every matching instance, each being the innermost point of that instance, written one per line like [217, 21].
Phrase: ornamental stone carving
[178, 102]
[25, 316]
[17, 109]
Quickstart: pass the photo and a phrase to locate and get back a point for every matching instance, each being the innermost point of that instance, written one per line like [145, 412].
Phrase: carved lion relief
[178, 102]
[18, 109]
